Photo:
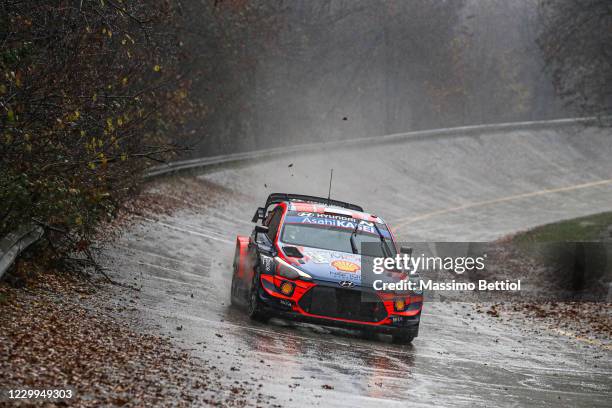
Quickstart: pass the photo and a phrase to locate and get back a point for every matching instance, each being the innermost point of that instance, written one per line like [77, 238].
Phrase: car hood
[331, 266]
[334, 266]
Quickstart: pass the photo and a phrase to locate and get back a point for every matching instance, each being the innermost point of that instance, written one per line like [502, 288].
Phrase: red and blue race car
[304, 262]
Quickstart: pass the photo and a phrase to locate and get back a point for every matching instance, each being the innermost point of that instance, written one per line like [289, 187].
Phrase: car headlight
[289, 271]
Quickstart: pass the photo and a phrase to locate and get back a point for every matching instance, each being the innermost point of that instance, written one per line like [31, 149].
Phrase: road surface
[471, 188]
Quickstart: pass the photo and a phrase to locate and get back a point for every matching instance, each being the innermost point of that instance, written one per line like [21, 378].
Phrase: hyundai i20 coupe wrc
[304, 262]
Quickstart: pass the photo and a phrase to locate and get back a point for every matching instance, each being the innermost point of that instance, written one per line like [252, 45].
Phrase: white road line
[190, 227]
[167, 269]
[158, 256]
[199, 234]
[209, 211]
[172, 270]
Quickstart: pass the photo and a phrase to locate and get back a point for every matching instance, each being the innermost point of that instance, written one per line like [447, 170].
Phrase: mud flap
[241, 256]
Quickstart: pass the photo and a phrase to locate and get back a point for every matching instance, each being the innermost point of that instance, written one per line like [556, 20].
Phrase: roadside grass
[566, 265]
[590, 228]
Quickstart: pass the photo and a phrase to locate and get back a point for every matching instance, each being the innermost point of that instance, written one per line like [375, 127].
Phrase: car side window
[274, 223]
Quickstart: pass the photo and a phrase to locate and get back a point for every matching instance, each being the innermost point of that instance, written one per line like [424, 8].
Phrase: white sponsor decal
[334, 217]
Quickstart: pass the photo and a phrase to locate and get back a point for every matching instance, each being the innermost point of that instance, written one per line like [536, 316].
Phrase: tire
[254, 307]
[233, 290]
[401, 338]
[368, 335]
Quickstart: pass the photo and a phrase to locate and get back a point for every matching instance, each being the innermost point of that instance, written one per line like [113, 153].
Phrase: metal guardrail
[183, 165]
[16, 242]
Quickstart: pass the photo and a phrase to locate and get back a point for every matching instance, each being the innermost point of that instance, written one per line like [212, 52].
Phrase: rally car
[304, 262]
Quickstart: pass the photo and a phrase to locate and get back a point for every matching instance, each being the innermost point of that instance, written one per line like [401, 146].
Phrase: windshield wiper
[353, 235]
[383, 242]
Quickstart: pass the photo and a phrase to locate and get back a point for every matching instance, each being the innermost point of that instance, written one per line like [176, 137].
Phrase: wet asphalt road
[460, 188]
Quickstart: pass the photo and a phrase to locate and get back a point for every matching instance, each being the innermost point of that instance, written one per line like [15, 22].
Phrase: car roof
[319, 208]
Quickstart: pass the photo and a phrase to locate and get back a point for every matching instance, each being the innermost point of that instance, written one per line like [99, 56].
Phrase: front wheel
[401, 338]
[366, 334]
[255, 309]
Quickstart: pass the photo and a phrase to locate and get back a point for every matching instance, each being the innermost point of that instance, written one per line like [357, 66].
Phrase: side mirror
[260, 229]
[260, 214]
[406, 250]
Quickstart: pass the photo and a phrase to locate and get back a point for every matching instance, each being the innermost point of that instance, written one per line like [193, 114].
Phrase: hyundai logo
[346, 284]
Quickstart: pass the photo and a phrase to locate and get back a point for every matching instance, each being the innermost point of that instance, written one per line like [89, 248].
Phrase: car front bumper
[276, 304]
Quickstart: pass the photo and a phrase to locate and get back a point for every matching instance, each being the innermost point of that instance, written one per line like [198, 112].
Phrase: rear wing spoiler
[276, 198]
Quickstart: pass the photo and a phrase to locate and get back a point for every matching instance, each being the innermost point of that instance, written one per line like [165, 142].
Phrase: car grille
[343, 304]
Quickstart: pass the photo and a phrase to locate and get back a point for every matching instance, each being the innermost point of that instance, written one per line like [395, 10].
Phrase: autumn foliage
[89, 93]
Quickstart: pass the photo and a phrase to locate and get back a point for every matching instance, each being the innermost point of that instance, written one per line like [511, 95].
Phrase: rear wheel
[234, 288]
[235, 281]
[255, 309]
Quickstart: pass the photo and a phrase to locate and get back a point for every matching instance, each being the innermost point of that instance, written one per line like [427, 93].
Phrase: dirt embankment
[566, 271]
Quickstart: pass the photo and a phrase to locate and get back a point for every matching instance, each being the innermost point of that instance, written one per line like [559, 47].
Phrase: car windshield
[335, 238]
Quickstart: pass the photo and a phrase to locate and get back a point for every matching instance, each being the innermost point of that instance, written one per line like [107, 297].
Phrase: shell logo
[346, 266]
